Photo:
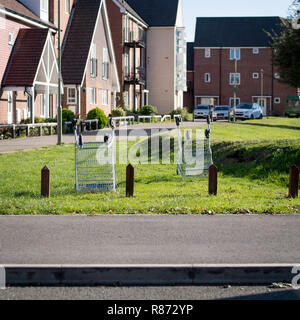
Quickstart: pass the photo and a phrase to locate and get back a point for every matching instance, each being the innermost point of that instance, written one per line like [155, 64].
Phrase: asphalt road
[156, 239]
[149, 293]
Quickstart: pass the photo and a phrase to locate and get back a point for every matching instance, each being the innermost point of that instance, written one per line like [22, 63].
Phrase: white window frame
[93, 96]
[67, 6]
[235, 54]
[126, 29]
[207, 53]
[255, 75]
[105, 64]
[42, 106]
[10, 39]
[277, 100]
[94, 61]
[44, 5]
[126, 65]
[236, 76]
[105, 97]
[255, 51]
[231, 102]
[71, 100]
[207, 77]
[126, 98]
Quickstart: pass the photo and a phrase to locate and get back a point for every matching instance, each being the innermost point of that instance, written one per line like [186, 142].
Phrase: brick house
[26, 40]
[165, 51]
[235, 51]
[129, 38]
[89, 69]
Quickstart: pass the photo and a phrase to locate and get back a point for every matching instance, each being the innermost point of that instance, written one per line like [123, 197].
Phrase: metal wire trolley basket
[194, 155]
[95, 163]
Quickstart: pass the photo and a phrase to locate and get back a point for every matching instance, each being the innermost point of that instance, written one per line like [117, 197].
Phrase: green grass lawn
[253, 158]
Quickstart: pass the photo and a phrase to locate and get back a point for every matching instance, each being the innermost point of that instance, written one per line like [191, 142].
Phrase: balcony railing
[138, 76]
[135, 38]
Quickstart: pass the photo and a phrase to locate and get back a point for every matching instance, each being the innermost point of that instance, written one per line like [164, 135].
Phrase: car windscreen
[221, 108]
[202, 107]
[244, 106]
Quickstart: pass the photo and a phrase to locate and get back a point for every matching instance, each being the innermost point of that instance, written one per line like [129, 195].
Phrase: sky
[225, 8]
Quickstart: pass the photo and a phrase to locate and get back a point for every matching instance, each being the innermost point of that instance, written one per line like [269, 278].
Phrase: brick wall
[220, 66]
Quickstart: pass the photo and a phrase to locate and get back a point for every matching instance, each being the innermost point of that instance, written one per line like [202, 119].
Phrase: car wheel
[252, 117]
[261, 116]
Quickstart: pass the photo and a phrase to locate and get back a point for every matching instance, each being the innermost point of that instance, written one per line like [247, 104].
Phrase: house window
[71, 96]
[104, 97]
[126, 98]
[231, 102]
[235, 54]
[207, 78]
[255, 75]
[67, 6]
[207, 53]
[105, 65]
[10, 39]
[126, 65]
[43, 107]
[276, 75]
[235, 79]
[44, 5]
[255, 51]
[277, 100]
[126, 29]
[93, 99]
[94, 61]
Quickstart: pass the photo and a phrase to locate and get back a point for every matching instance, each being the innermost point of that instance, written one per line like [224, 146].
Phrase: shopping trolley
[95, 162]
[198, 149]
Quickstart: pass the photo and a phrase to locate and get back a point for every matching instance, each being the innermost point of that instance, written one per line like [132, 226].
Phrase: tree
[287, 47]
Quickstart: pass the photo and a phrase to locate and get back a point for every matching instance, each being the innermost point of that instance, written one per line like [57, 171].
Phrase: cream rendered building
[166, 52]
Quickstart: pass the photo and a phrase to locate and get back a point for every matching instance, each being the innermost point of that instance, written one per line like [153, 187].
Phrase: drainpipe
[59, 109]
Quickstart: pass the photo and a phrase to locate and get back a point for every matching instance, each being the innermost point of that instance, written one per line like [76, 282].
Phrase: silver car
[248, 111]
[222, 112]
[203, 110]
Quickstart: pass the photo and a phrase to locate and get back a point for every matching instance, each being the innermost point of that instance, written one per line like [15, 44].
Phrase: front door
[10, 107]
[263, 104]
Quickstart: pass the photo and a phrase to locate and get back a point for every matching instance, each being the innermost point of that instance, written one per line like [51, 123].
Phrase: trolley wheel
[177, 171]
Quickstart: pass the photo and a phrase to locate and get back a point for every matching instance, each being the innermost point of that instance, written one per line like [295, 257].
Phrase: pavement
[160, 248]
[20, 144]
[150, 293]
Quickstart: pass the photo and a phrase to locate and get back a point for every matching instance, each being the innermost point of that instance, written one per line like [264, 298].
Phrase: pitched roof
[131, 10]
[15, 6]
[190, 56]
[235, 31]
[157, 13]
[78, 40]
[25, 57]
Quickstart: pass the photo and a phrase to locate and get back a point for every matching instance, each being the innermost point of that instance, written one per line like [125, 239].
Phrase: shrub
[67, 115]
[98, 113]
[118, 112]
[148, 110]
[185, 115]
[36, 120]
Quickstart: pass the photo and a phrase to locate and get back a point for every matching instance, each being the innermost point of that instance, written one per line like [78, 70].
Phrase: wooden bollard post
[45, 183]
[294, 182]
[129, 181]
[213, 180]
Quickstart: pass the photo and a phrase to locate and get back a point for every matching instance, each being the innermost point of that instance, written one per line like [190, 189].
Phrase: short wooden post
[213, 180]
[27, 130]
[129, 181]
[45, 183]
[294, 182]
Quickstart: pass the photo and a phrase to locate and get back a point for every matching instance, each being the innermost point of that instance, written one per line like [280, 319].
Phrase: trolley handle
[178, 121]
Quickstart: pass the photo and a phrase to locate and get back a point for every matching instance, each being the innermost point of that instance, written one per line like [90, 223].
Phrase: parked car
[222, 112]
[248, 111]
[204, 110]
